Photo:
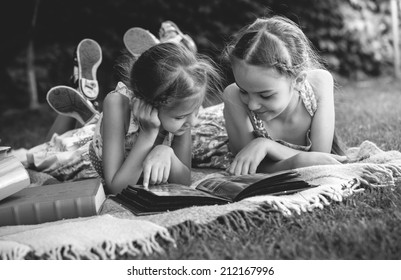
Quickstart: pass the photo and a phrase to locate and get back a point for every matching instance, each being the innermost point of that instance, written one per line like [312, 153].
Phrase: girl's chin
[180, 132]
[267, 116]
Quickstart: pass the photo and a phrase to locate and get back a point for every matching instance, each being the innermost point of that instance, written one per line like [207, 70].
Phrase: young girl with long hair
[279, 113]
[145, 126]
[146, 123]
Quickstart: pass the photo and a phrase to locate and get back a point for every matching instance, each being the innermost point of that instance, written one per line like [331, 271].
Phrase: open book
[215, 190]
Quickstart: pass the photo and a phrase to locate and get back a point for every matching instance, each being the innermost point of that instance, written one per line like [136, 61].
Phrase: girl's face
[181, 115]
[263, 90]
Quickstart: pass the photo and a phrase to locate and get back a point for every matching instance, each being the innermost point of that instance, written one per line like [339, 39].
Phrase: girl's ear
[300, 79]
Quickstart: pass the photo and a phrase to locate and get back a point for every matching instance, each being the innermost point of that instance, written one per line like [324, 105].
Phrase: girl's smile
[263, 90]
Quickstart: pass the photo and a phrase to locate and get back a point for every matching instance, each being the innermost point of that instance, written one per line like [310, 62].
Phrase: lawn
[365, 226]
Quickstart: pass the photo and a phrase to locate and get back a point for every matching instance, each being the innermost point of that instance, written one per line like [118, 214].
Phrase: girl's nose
[253, 104]
[193, 119]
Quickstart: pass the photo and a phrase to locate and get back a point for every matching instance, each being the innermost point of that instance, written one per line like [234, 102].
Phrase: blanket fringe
[107, 250]
[377, 176]
[235, 220]
[372, 175]
[11, 250]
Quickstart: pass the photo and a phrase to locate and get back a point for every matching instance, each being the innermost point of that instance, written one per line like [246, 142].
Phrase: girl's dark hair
[274, 42]
[168, 72]
[123, 67]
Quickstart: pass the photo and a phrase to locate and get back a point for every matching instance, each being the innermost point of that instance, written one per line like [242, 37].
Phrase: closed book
[13, 175]
[49, 203]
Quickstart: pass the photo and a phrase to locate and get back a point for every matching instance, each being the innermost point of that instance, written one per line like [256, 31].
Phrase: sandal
[88, 58]
[169, 32]
[137, 40]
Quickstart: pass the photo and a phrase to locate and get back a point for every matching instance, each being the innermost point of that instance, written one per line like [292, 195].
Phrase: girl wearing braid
[279, 113]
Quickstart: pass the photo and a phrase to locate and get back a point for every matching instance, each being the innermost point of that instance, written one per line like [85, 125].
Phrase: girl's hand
[157, 165]
[146, 114]
[249, 158]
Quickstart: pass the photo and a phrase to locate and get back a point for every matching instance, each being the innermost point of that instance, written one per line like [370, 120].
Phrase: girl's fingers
[166, 174]
[146, 176]
[154, 112]
[148, 110]
[238, 168]
[154, 175]
[245, 168]
[160, 172]
[252, 168]
[135, 106]
[232, 167]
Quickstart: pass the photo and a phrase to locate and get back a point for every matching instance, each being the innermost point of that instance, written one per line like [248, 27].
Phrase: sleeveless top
[96, 147]
[308, 99]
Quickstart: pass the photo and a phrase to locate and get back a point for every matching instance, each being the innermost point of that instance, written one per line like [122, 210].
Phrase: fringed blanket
[118, 232]
[101, 237]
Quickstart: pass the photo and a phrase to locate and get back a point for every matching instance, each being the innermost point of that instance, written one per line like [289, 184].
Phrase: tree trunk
[30, 62]
[395, 27]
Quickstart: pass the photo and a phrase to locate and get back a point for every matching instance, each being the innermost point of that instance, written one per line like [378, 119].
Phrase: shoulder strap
[308, 97]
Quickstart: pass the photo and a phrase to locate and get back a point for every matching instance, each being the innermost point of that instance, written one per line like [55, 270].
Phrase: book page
[175, 190]
[225, 187]
[236, 187]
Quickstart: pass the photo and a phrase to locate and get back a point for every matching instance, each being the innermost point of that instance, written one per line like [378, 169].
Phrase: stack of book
[23, 205]
[13, 175]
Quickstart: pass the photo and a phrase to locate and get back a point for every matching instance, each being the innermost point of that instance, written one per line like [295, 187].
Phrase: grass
[370, 111]
[365, 226]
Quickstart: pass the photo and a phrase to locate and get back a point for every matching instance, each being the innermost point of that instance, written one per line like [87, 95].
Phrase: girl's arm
[322, 127]
[238, 125]
[260, 154]
[250, 151]
[119, 172]
[181, 161]
[171, 164]
[240, 129]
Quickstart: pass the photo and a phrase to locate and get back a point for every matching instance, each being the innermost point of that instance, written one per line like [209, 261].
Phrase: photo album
[219, 189]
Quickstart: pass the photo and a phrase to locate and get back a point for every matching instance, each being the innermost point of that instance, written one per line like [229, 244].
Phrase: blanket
[117, 232]
[100, 237]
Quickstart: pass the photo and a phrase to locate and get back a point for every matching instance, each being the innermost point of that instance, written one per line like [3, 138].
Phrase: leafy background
[353, 36]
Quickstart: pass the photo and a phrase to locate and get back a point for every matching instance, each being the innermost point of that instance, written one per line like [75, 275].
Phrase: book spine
[37, 213]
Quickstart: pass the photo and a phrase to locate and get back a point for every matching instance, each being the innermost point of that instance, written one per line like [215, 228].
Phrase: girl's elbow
[113, 188]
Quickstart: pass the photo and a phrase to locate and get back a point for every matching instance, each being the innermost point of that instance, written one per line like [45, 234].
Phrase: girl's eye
[242, 91]
[180, 118]
[266, 97]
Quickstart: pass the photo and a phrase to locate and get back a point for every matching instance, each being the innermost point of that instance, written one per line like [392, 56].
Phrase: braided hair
[274, 42]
